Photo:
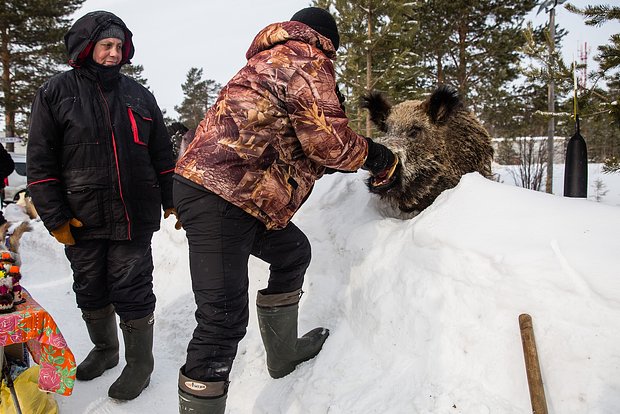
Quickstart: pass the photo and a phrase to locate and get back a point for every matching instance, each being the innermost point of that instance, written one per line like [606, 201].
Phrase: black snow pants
[117, 272]
[221, 239]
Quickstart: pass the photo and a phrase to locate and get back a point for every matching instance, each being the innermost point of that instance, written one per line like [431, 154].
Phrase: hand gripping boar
[437, 142]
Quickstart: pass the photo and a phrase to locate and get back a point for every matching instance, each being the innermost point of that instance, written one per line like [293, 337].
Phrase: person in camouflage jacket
[274, 130]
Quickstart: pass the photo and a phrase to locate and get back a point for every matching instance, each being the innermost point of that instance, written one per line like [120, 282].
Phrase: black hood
[80, 39]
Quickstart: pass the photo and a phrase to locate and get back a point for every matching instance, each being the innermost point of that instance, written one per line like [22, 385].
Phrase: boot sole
[128, 397]
[276, 374]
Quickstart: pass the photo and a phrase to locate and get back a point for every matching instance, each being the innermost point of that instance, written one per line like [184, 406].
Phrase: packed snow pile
[423, 313]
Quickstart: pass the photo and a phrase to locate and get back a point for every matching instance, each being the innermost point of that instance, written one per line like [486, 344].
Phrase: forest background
[489, 50]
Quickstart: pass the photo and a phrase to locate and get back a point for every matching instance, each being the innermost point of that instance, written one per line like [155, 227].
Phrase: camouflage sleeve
[319, 121]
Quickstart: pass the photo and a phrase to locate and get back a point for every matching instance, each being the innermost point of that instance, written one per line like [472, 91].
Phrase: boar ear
[378, 107]
[442, 104]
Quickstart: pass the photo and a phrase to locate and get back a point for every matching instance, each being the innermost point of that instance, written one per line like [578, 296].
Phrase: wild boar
[436, 140]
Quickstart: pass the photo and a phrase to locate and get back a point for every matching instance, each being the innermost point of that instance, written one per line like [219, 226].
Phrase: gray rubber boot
[200, 397]
[138, 336]
[277, 319]
[101, 326]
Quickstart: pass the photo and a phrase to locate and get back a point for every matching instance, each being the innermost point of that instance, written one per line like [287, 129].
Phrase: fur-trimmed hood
[80, 39]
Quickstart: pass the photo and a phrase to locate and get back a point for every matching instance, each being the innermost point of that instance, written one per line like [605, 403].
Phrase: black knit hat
[114, 31]
[321, 21]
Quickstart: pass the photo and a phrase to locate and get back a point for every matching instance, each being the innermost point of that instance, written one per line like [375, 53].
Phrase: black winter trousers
[117, 272]
[221, 239]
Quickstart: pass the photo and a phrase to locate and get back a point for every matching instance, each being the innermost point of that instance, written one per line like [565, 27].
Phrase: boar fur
[436, 140]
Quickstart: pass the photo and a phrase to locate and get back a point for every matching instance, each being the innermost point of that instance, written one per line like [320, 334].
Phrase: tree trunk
[369, 67]
[9, 111]
[440, 74]
[462, 69]
[550, 105]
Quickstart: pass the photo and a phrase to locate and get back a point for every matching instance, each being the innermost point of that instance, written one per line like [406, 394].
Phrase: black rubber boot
[201, 397]
[277, 319]
[101, 326]
[138, 336]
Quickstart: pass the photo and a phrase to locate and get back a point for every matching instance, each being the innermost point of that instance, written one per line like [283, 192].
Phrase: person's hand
[63, 233]
[380, 159]
[173, 211]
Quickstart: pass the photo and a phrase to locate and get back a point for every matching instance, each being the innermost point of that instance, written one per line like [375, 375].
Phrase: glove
[380, 159]
[63, 233]
[173, 211]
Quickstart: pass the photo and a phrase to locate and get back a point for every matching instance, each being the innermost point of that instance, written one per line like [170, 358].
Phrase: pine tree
[31, 50]
[199, 94]
[519, 109]
[406, 48]
[601, 107]
[135, 72]
[376, 51]
[472, 45]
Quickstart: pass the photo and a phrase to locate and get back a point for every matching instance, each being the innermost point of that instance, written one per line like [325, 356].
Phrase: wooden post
[534, 378]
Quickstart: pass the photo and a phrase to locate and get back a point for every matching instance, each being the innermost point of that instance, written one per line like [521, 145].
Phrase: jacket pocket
[87, 206]
[146, 204]
[140, 122]
[273, 193]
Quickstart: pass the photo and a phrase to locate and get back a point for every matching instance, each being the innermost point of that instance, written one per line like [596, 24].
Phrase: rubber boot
[138, 336]
[277, 319]
[201, 397]
[101, 326]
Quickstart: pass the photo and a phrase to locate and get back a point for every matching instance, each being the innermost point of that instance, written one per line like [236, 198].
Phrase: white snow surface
[423, 313]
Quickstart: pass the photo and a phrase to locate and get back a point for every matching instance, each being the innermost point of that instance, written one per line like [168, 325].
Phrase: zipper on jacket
[134, 126]
[118, 171]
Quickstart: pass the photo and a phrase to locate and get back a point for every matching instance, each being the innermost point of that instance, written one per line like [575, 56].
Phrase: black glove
[379, 158]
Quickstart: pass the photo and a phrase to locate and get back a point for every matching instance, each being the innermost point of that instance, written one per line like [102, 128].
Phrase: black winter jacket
[98, 152]
[6, 165]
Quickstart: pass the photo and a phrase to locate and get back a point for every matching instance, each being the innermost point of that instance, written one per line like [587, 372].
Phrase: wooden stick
[532, 367]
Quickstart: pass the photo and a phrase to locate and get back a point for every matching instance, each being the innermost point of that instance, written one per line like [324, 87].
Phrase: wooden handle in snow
[532, 367]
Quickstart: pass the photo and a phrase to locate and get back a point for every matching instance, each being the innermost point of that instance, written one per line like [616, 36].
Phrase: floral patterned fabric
[275, 127]
[30, 323]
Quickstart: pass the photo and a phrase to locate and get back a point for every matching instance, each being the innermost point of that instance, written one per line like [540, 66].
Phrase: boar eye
[414, 131]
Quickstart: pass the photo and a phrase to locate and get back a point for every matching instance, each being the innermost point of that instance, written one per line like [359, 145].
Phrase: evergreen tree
[472, 45]
[31, 50]
[199, 96]
[601, 111]
[524, 111]
[135, 72]
[598, 124]
[376, 52]
[406, 48]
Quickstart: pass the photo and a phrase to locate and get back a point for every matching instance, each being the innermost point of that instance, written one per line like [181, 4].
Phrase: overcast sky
[171, 36]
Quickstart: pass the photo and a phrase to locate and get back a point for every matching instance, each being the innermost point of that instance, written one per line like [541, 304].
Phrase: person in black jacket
[6, 168]
[100, 169]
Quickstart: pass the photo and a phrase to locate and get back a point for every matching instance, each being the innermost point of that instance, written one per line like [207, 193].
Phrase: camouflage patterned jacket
[275, 127]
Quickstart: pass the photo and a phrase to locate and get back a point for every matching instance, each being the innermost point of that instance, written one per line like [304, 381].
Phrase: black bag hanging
[576, 166]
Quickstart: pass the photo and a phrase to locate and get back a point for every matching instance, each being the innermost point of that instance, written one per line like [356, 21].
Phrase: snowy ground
[423, 313]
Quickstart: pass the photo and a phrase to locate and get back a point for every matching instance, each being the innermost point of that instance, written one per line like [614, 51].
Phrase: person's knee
[223, 315]
[301, 256]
